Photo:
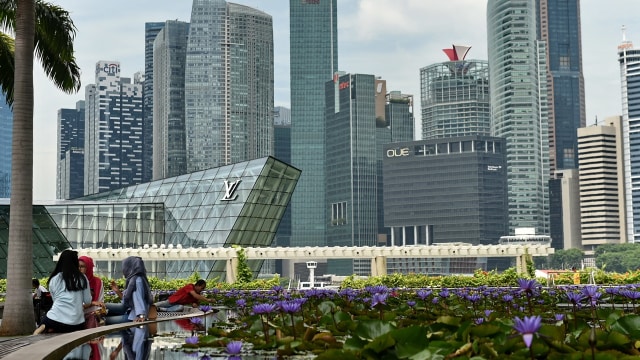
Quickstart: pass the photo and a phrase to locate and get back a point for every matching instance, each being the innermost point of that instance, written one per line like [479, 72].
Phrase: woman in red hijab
[97, 292]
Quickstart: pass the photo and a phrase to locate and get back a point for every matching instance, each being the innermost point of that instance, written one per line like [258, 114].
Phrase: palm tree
[49, 31]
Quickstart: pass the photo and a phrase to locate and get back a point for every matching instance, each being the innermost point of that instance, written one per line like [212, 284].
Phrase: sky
[392, 39]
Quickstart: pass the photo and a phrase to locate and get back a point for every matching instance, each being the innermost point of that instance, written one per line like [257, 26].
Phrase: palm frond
[55, 33]
[7, 15]
[7, 63]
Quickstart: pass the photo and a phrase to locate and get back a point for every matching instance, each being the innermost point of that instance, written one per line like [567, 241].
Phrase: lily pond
[527, 321]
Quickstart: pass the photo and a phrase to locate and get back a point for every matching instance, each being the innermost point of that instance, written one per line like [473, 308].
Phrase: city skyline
[365, 29]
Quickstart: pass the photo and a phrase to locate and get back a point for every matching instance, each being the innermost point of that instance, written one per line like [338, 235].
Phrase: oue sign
[398, 152]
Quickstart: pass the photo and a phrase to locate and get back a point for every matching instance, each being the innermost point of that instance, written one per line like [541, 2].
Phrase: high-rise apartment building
[559, 27]
[629, 59]
[313, 61]
[151, 30]
[6, 124]
[455, 96]
[601, 184]
[113, 130]
[518, 104]
[169, 143]
[70, 160]
[228, 84]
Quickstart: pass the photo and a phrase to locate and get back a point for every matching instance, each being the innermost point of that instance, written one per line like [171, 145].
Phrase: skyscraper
[455, 96]
[169, 143]
[360, 118]
[518, 105]
[70, 160]
[601, 184]
[228, 84]
[6, 124]
[351, 189]
[629, 59]
[151, 30]
[313, 61]
[282, 152]
[113, 130]
[559, 27]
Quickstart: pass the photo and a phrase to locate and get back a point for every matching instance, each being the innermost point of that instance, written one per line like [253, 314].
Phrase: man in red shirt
[186, 295]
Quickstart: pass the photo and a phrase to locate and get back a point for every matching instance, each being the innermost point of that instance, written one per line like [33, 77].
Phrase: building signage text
[230, 190]
[398, 152]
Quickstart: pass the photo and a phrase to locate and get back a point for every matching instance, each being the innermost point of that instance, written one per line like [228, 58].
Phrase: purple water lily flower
[234, 347]
[527, 285]
[423, 294]
[478, 321]
[379, 298]
[411, 303]
[629, 294]
[191, 340]
[527, 327]
[241, 303]
[290, 307]
[205, 308]
[487, 313]
[259, 309]
[559, 317]
[196, 321]
[574, 298]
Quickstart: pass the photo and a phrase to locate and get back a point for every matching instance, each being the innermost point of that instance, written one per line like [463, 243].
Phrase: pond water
[137, 343]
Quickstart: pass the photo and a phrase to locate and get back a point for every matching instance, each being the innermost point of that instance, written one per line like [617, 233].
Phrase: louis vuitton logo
[230, 190]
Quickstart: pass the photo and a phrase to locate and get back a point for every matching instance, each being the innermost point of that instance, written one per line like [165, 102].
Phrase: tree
[618, 257]
[49, 31]
[566, 259]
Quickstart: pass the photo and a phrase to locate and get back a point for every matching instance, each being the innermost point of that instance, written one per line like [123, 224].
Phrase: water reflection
[139, 344]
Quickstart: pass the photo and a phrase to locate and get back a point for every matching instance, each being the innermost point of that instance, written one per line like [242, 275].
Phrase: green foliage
[618, 257]
[245, 274]
[565, 259]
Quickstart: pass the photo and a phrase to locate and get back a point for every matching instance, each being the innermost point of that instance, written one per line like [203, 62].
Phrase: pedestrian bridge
[377, 254]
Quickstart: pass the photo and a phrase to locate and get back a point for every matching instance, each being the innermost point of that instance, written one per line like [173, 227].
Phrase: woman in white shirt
[69, 289]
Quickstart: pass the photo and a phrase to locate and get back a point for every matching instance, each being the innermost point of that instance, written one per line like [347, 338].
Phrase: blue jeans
[116, 314]
[169, 307]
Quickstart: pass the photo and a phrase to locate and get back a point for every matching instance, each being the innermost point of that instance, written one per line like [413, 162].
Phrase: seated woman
[97, 293]
[69, 289]
[136, 297]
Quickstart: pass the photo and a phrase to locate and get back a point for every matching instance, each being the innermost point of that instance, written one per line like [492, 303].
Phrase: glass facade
[629, 59]
[70, 162]
[169, 143]
[518, 105]
[446, 191]
[6, 124]
[228, 84]
[251, 53]
[351, 166]
[239, 204]
[313, 61]
[151, 30]
[282, 149]
[455, 99]
[559, 28]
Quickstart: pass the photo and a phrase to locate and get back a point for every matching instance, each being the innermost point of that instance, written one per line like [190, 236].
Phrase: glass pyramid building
[238, 204]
